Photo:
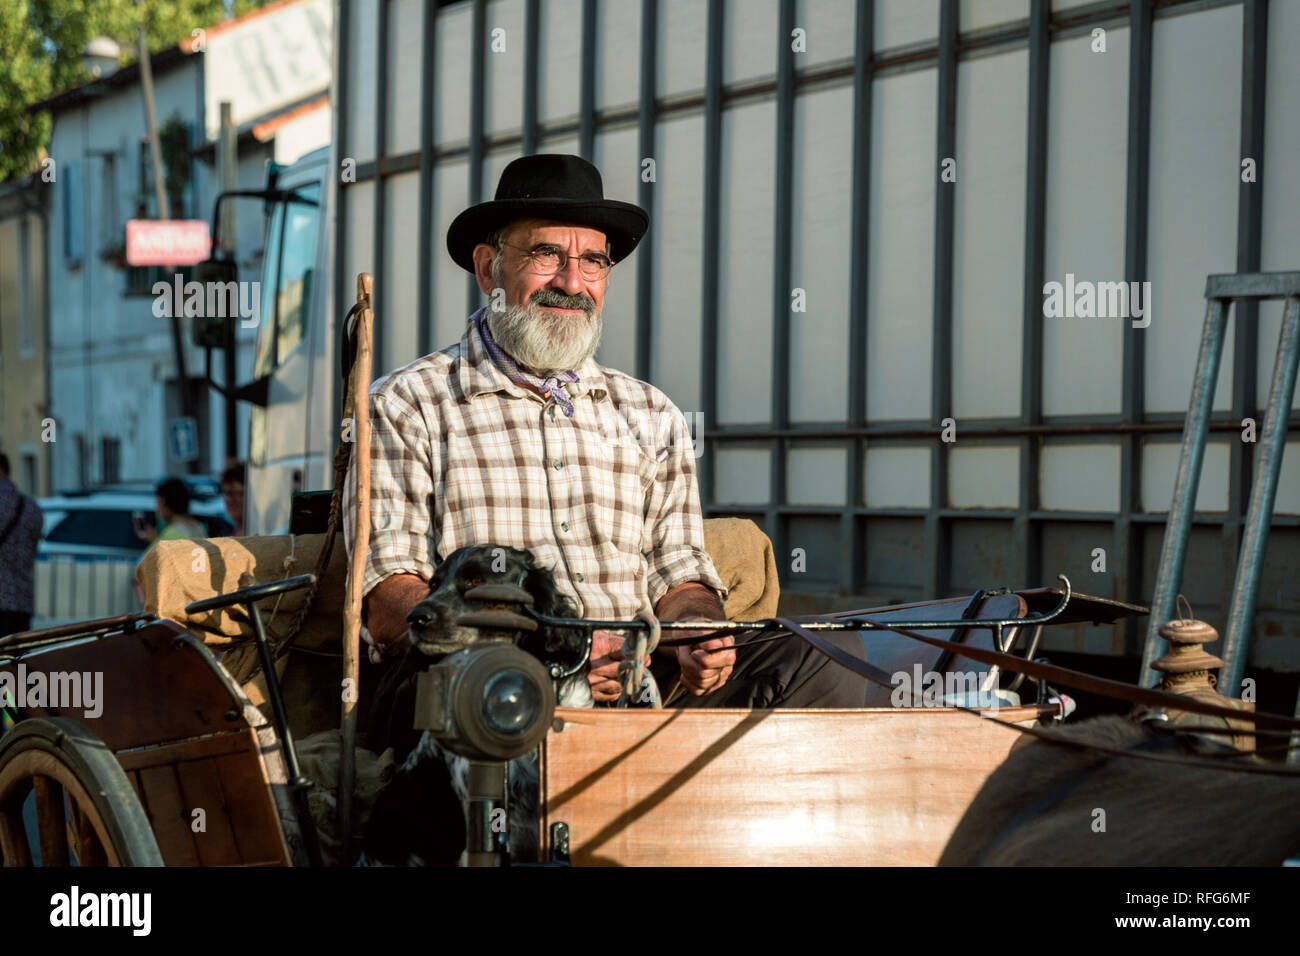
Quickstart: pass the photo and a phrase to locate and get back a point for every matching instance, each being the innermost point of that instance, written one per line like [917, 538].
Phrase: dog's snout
[419, 617]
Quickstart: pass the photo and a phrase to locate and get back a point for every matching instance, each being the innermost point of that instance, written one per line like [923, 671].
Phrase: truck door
[279, 449]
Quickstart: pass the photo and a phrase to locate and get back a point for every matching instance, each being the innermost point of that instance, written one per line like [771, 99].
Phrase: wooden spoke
[85, 807]
[51, 821]
[13, 837]
[90, 851]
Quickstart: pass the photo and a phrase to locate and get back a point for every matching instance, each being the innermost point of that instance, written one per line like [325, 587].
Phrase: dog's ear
[559, 644]
[446, 567]
[547, 596]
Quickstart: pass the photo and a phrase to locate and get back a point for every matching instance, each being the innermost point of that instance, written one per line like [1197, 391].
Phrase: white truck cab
[293, 398]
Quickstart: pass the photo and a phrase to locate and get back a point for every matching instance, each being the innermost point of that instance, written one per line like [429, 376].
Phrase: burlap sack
[743, 557]
[174, 573]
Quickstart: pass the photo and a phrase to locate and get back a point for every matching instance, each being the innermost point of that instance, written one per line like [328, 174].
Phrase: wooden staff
[360, 388]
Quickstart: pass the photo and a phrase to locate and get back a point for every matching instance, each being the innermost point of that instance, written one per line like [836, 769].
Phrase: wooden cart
[177, 769]
[171, 764]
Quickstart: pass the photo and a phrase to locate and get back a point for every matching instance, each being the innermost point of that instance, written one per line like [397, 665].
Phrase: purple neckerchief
[552, 387]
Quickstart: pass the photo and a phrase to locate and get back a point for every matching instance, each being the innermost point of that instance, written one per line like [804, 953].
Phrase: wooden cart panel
[188, 739]
[871, 787]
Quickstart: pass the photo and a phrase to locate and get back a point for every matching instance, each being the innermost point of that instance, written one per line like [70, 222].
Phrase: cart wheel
[87, 812]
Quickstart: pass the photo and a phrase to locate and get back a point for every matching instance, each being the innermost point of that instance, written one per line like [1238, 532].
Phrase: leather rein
[1065, 677]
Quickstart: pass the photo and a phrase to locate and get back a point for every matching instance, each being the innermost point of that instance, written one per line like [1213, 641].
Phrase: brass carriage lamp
[1186, 669]
[490, 704]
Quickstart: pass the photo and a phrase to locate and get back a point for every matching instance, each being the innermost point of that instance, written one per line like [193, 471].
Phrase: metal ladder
[1220, 292]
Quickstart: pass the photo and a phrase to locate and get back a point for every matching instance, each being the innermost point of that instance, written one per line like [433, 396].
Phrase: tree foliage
[40, 54]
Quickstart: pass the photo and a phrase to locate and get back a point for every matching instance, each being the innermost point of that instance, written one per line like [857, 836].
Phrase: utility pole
[160, 193]
[228, 227]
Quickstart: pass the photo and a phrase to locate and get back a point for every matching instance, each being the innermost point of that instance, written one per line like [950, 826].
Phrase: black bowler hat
[549, 186]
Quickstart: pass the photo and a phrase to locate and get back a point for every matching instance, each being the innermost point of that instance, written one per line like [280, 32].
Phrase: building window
[111, 231]
[72, 214]
[83, 462]
[26, 305]
[111, 449]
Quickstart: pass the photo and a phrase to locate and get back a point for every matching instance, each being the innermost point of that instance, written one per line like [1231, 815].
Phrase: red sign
[167, 242]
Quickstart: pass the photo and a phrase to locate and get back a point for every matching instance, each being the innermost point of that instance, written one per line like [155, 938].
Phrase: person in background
[232, 493]
[172, 504]
[20, 530]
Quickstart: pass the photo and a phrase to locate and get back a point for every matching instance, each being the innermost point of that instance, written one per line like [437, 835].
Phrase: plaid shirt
[461, 455]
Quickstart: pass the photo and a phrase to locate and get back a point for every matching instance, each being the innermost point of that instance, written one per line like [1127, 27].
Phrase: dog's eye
[471, 584]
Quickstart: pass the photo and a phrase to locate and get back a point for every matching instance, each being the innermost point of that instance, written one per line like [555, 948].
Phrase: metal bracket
[559, 842]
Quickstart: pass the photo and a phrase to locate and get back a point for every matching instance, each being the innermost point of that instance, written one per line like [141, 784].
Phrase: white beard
[543, 342]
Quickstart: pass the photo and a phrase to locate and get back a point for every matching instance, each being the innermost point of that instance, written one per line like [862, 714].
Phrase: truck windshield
[286, 283]
[286, 297]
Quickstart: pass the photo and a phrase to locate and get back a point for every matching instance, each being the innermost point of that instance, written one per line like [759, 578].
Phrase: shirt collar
[480, 375]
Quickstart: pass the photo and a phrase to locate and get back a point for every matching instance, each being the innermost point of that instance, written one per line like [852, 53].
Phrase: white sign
[167, 242]
[183, 438]
[266, 61]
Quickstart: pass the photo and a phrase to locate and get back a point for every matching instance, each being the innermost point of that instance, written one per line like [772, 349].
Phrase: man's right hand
[606, 655]
[387, 605]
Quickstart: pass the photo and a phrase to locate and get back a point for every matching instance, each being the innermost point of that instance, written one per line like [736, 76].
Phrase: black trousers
[787, 672]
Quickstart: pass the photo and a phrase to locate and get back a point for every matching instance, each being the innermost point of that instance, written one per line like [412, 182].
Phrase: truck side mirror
[215, 323]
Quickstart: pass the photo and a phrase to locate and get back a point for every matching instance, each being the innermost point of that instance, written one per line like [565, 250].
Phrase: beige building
[24, 383]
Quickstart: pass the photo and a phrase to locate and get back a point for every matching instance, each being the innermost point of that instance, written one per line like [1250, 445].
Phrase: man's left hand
[707, 664]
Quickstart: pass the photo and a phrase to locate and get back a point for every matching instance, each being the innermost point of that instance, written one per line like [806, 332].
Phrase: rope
[290, 560]
[342, 457]
[639, 685]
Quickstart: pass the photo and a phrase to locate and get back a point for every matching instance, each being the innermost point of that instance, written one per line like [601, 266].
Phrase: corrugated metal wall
[824, 297]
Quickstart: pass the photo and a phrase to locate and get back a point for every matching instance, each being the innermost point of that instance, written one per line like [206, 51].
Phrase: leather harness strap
[1067, 678]
[1057, 675]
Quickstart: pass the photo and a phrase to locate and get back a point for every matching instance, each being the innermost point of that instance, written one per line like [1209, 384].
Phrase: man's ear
[483, 255]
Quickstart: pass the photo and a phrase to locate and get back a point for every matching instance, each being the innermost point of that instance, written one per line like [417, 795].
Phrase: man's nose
[569, 280]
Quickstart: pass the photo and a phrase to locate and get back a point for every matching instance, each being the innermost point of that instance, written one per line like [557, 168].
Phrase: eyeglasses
[547, 260]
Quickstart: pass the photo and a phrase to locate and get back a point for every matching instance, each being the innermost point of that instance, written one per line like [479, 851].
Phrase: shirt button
[564, 526]
[579, 576]
[558, 464]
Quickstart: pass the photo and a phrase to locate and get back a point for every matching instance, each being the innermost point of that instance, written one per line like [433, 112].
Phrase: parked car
[86, 559]
[101, 522]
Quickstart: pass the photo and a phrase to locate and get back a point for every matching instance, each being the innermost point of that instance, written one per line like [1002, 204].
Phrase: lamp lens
[511, 702]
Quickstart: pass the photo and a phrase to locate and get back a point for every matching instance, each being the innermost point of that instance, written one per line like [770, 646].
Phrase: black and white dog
[419, 817]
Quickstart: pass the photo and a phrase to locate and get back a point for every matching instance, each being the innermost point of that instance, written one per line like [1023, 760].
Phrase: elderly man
[517, 436]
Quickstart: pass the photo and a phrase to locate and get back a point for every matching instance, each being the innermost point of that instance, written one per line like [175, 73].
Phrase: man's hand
[387, 605]
[606, 654]
[706, 665]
